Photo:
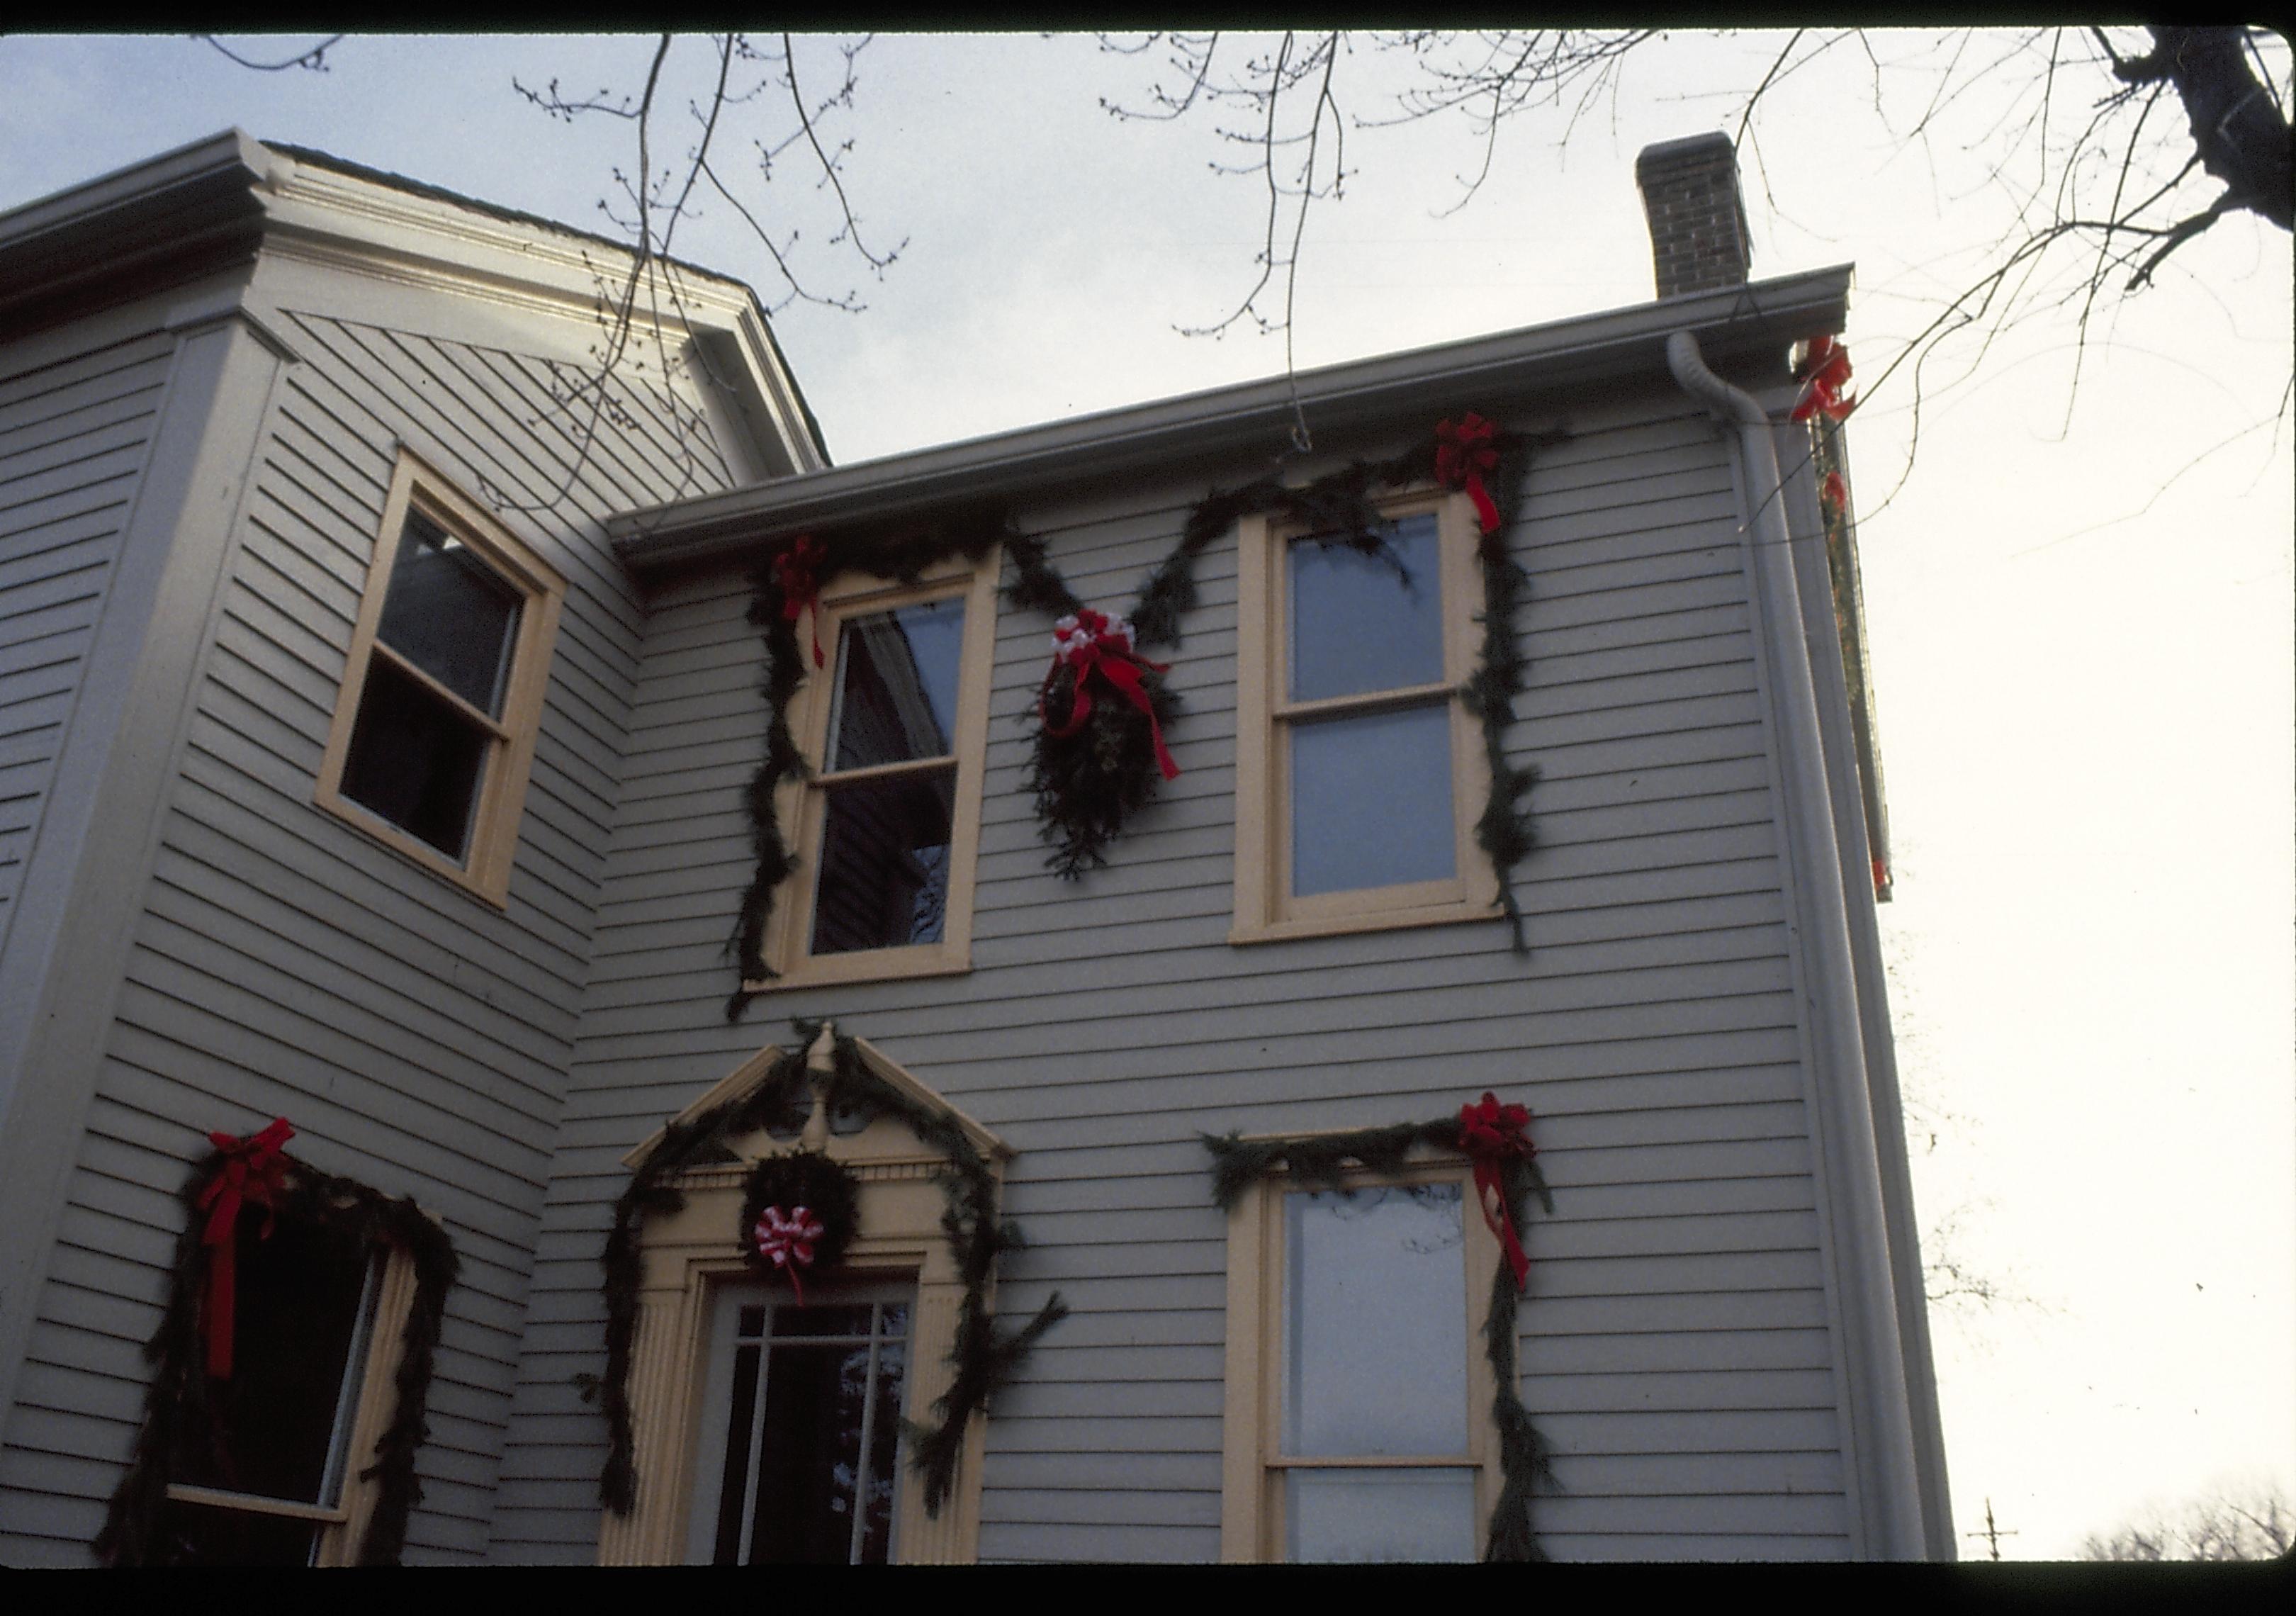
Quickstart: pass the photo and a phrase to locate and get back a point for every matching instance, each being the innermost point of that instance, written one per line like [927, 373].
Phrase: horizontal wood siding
[73, 435]
[417, 1038]
[1675, 1347]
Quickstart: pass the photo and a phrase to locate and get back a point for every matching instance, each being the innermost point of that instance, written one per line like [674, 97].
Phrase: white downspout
[1880, 1409]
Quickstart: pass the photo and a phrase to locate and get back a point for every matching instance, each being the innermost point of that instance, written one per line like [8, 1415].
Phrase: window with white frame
[1360, 771]
[886, 827]
[1357, 1415]
[265, 1469]
[434, 730]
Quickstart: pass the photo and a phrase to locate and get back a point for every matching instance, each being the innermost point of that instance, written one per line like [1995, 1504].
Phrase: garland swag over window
[347, 1210]
[1320, 1161]
[1090, 779]
[984, 1360]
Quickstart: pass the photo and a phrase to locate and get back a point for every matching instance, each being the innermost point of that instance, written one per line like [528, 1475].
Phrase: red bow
[1089, 644]
[798, 570]
[1492, 1135]
[253, 1169]
[785, 1240]
[1463, 453]
[1823, 373]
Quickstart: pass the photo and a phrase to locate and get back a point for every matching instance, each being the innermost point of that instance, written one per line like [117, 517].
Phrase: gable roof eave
[1760, 319]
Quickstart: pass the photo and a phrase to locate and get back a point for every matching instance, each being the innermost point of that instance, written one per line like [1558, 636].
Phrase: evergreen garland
[177, 1392]
[1317, 1161]
[1087, 785]
[984, 1360]
[899, 556]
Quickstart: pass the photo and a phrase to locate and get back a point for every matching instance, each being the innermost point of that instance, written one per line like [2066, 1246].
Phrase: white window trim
[1265, 909]
[493, 841]
[1252, 1460]
[800, 804]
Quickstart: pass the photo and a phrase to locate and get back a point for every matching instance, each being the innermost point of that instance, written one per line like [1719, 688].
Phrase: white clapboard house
[383, 690]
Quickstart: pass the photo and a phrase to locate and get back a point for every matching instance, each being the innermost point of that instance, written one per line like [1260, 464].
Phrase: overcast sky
[2080, 600]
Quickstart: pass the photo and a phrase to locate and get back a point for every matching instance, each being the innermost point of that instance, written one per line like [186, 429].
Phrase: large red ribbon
[798, 570]
[1492, 1135]
[1089, 644]
[1463, 453]
[1823, 373]
[785, 1240]
[253, 1169]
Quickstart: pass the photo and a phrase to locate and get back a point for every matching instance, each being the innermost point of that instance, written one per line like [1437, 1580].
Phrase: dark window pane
[1365, 622]
[1370, 800]
[450, 614]
[884, 862]
[728, 1551]
[896, 685]
[884, 1456]
[204, 1534]
[303, 1322]
[848, 1320]
[414, 760]
[809, 1457]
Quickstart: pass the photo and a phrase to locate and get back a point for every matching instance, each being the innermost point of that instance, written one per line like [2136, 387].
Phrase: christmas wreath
[799, 1213]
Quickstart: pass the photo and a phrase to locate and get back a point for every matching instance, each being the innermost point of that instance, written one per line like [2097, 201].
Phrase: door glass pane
[1374, 1322]
[884, 862]
[1371, 800]
[414, 760]
[450, 614]
[1363, 622]
[812, 1473]
[1379, 1514]
[896, 685]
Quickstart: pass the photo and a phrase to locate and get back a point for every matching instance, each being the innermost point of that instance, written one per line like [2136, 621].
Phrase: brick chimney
[1697, 218]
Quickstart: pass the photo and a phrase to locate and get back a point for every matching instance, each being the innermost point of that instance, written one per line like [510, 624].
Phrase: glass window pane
[1371, 800]
[1374, 1322]
[884, 862]
[206, 1534]
[1379, 1514]
[1366, 622]
[852, 1320]
[896, 685]
[876, 1543]
[450, 614]
[269, 1428]
[414, 760]
[810, 1454]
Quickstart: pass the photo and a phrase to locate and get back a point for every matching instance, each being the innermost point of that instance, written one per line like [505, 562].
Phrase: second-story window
[1358, 768]
[442, 691]
[886, 830]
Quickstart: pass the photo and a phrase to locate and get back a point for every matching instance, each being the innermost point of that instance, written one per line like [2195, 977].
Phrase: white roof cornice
[1541, 364]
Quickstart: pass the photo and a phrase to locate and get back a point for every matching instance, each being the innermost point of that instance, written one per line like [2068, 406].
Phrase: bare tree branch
[313, 60]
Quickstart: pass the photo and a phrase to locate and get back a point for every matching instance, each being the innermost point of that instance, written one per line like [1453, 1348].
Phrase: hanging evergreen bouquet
[1100, 737]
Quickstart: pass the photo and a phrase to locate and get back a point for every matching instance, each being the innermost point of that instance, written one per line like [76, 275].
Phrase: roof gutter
[1879, 1407]
[1755, 321]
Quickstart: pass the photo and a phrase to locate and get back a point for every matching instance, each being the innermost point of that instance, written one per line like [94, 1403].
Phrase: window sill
[1371, 920]
[873, 966]
[496, 893]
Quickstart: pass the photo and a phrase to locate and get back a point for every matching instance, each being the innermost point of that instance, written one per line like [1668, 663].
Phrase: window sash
[1267, 907]
[505, 744]
[804, 804]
